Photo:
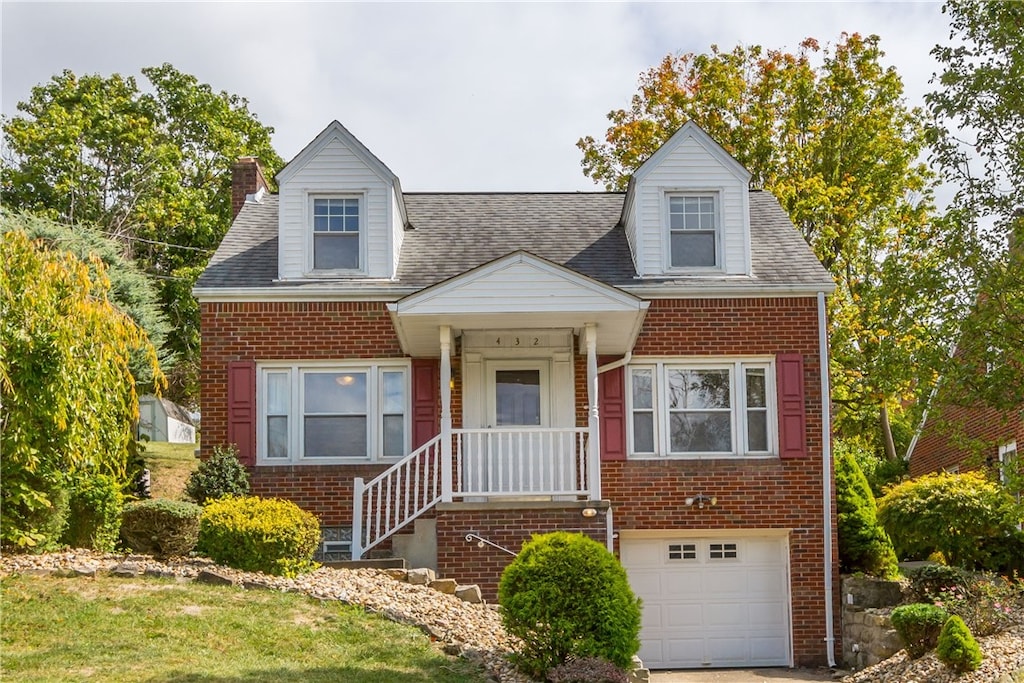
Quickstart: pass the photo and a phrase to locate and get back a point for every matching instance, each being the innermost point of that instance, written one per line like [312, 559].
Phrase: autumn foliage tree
[151, 167]
[827, 131]
[66, 386]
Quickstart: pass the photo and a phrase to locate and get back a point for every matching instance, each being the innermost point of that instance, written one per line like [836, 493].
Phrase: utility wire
[162, 244]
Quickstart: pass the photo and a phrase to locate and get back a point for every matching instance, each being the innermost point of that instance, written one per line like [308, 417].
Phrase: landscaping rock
[421, 576]
[446, 586]
[126, 570]
[398, 574]
[214, 578]
[470, 594]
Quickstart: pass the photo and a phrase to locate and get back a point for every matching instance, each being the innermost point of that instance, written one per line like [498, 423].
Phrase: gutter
[826, 479]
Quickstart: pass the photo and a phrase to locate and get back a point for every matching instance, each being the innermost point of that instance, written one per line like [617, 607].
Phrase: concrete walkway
[740, 675]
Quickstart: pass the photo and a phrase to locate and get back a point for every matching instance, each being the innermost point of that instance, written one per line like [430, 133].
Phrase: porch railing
[512, 462]
[396, 496]
[520, 461]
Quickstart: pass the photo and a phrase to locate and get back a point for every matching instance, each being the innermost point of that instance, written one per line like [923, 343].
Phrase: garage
[710, 602]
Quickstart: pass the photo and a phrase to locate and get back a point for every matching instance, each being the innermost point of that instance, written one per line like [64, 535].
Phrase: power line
[132, 238]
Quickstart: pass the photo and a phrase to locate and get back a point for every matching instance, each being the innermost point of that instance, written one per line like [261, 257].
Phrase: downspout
[826, 477]
[617, 363]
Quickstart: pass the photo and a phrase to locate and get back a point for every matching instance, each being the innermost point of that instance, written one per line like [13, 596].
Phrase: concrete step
[375, 563]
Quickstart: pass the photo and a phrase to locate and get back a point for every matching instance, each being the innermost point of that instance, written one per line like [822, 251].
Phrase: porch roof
[518, 291]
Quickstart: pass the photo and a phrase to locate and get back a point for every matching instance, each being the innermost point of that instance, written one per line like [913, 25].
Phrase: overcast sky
[451, 96]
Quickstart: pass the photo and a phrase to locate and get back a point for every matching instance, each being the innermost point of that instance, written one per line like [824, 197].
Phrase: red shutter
[426, 423]
[611, 400]
[789, 371]
[242, 409]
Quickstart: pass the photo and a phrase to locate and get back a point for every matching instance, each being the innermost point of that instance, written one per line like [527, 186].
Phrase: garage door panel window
[332, 414]
[682, 551]
[723, 551]
[690, 409]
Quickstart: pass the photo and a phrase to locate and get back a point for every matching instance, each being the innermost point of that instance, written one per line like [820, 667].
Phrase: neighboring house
[163, 420]
[956, 438]
[428, 371]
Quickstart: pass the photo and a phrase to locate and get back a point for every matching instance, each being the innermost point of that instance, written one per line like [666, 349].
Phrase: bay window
[316, 413]
[701, 408]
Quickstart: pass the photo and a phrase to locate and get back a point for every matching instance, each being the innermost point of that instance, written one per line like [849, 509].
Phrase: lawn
[169, 466]
[113, 629]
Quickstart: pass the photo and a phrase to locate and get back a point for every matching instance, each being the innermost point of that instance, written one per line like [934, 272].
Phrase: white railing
[397, 496]
[509, 462]
[521, 461]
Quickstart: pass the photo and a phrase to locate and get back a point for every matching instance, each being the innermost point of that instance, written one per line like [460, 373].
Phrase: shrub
[161, 527]
[566, 596]
[957, 648]
[266, 535]
[955, 514]
[94, 513]
[931, 582]
[221, 475]
[863, 543]
[918, 625]
[587, 670]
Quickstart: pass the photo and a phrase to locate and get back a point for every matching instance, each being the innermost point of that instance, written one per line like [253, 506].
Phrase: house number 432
[518, 340]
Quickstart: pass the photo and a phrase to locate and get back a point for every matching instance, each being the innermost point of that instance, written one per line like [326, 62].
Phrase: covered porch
[528, 423]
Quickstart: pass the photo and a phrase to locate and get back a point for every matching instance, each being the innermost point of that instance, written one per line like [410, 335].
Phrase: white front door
[518, 394]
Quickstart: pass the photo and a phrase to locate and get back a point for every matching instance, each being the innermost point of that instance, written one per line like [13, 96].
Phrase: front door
[518, 394]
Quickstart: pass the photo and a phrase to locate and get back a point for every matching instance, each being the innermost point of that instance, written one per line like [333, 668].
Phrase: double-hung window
[693, 226]
[320, 413]
[336, 233]
[701, 409]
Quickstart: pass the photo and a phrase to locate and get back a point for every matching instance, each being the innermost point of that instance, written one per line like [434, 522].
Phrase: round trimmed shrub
[161, 527]
[255, 534]
[918, 626]
[957, 647]
[94, 513]
[565, 596]
[221, 475]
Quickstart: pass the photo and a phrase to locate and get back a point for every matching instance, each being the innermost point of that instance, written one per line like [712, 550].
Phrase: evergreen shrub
[161, 527]
[918, 626]
[255, 534]
[957, 648]
[863, 544]
[221, 475]
[95, 504]
[565, 596]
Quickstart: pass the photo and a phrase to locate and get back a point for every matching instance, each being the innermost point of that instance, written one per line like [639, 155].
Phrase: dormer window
[336, 230]
[693, 224]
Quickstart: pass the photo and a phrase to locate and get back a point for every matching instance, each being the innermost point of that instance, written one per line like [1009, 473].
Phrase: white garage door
[711, 602]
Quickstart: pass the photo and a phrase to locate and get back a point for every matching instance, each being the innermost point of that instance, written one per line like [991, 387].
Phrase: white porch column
[446, 414]
[594, 442]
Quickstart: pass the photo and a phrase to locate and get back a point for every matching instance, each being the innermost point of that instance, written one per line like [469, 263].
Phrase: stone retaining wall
[868, 635]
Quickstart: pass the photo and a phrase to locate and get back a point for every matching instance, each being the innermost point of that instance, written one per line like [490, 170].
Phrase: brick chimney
[246, 178]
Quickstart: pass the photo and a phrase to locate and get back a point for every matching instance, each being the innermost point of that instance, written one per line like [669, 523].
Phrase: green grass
[111, 629]
[169, 466]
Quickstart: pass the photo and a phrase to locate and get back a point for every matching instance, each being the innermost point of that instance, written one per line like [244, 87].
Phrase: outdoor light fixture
[589, 512]
[701, 500]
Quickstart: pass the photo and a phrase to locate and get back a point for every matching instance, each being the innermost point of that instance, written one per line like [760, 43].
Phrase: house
[447, 373]
[957, 438]
[164, 420]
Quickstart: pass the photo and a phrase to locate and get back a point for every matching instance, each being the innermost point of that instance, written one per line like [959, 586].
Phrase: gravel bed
[470, 630]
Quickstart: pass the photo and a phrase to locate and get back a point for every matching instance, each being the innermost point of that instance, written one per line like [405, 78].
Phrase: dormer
[687, 210]
[341, 212]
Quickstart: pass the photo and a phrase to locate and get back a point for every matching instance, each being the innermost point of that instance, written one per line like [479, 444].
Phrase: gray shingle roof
[454, 232]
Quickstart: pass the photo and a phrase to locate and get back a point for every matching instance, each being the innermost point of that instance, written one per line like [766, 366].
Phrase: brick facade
[964, 438]
[644, 494]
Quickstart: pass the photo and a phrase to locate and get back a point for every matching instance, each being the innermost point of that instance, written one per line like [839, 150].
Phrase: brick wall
[966, 437]
[509, 528]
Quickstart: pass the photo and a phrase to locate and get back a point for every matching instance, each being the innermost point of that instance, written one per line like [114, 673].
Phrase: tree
[863, 543]
[131, 291]
[65, 384]
[150, 168]
[978, 142]
[964, 516]
[838, 146]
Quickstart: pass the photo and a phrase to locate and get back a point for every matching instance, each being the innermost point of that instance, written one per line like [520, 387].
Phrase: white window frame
[737, 400]
[296, 370]
[715, 194]
[1007, 453]
[311, 268]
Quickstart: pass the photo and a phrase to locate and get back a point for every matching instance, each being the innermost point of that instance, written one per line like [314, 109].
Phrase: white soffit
[518, 291]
